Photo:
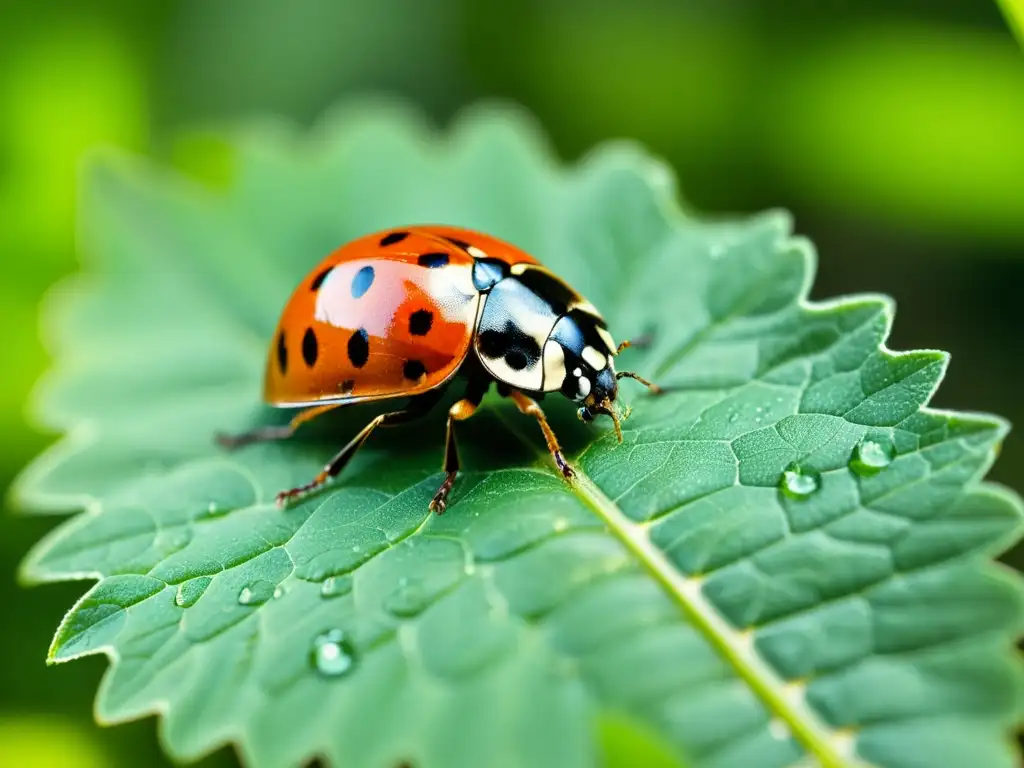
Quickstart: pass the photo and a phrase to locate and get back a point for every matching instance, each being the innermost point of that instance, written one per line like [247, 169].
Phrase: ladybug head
[602, 390]
[582, 351]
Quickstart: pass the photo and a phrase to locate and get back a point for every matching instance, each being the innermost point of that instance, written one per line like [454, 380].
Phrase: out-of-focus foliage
[49, 742]
[1014, 10]
[62, 91]
[757, 103]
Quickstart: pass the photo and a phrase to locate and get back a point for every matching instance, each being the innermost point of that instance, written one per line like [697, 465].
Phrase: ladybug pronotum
[403, 313]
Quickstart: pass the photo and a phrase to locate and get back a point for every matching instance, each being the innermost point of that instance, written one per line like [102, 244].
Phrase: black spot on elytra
[458, 243]
[432, 260]
[394, 237]
[320, 279]
[413, 370]
[359, 348]
[518, 348]
[310, 348]
[420, 322]
[347, 386]
[362, 281]
[282, 354]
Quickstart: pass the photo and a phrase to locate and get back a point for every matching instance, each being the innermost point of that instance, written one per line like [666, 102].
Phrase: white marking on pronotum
[587, 308]
[553, 358]
[475, 252]
[607, 339]
[594, 359]
[584, 386]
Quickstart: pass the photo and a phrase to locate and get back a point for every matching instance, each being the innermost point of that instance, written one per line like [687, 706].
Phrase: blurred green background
[894, 131]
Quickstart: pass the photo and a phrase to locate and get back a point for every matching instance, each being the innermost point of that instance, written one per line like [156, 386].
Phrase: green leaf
[48, 741]
[789, 557]
[1014, 12]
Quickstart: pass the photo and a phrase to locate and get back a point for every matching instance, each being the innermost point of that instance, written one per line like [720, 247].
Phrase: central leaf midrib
[807, 727]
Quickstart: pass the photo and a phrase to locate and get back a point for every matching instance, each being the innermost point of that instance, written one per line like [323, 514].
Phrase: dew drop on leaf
[168, 542]
[798, 483]
[278, 592]
[336, 586]
[333, 654]
[190, 591]
[256, 593]
[872, 455]
[409, 599]
[216, 510]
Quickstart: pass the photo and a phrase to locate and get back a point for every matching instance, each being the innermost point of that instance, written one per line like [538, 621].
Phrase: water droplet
[256, 593]
[278, 592]
[733, 418]
[170, 541]
[190, 591]
[872, 455]
[408, 600]
[560, 524]
[333, 654]
[356, 548]
[216, 510]
[799, 483]
[336, 586]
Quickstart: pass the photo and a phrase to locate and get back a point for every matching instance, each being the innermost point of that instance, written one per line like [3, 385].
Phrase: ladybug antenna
[655, 389]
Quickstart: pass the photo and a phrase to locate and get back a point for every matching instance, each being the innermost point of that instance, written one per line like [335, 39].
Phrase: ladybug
[403, 313]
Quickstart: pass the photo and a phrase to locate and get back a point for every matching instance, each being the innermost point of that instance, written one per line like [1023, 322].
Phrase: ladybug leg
[266, 434]
[530, 407]
[415, 409]
[460, 411]
[479, 383]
